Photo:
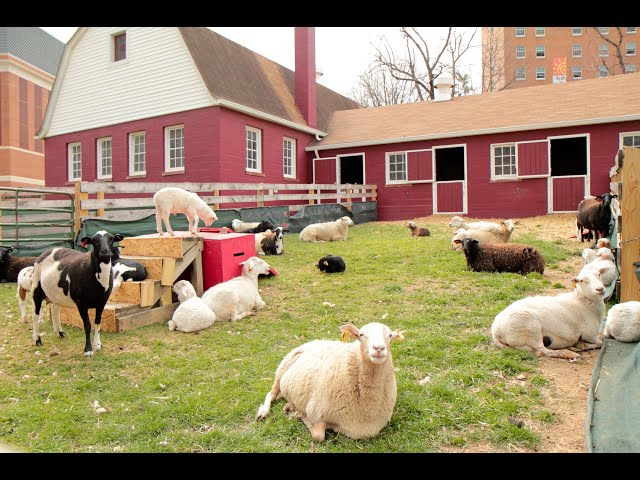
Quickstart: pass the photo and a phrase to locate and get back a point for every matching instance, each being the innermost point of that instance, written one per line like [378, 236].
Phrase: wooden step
[145, 293]
[154, 245]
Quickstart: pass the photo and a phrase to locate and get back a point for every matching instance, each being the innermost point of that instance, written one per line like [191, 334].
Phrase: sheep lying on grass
[270, 242]
[176, 200]
[239, 226]
[418, 231]
[549, 325]
[349, 388]
[192, 314]
[623, 322]
[331, 264]
[327, 231]
[502, 257]
[502, 235]
[457, 222]
[238, 297]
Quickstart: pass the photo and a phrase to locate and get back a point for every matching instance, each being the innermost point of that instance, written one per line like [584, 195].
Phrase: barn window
[174, 149]
[137, 153]
[289, 157]
[74, 153]
[253, 150]
[104, 158]
[396, 167]
[631, 139]
[503, 161]
[119, 46]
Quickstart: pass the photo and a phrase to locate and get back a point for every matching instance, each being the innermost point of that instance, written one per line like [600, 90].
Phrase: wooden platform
[136, 304]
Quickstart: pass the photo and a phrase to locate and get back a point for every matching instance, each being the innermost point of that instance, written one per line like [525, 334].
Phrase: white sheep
[623, 322]
[604, 263]
[503, 235]
[25, 277]
[588, 256]
[549, 325]
[238, 297]
[457, 222]
[327, 231]
[176, 200]
[349, 388]
[192, 314]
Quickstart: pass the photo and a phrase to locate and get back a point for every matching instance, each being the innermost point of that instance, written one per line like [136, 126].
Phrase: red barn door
[324, 170]
[567, 193]
[450, 197]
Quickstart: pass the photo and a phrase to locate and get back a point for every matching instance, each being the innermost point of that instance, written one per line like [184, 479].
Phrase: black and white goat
[10, 266]
[274, 244]
[69, 278]
[126, 269]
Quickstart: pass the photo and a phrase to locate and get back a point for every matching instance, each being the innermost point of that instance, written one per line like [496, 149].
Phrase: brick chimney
[305, 74]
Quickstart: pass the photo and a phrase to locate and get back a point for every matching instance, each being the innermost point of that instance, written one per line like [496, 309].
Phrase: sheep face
[509, 225]
[589, 284]
[456, 222]
[256, 266]
[604, 243]
[374, 340]
[184, 289]
[4, 253]
[469, 245]
[102, 242]
[209, 217]
[456, 241]
[411, 225]
[605, 254]
[347, 221]
[588, 255]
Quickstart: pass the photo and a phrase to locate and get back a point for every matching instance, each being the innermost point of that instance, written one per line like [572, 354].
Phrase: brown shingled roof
[237, 74]
[527, 108]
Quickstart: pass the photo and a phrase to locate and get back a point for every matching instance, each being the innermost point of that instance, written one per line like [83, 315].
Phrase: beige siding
[158, 77]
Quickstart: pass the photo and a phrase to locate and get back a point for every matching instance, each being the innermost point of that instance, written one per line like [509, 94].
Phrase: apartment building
[29, 59]
[514, 57]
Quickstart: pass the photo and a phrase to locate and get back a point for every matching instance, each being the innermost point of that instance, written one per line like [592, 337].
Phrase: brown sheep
[418, 231]
[502, 257]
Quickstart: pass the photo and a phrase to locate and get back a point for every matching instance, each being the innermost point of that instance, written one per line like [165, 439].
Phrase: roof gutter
[471, 133]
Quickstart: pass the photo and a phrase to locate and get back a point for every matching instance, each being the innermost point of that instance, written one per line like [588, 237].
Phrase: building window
[631, 49]
[119, 46]
[519, 31]
[539, 51]
[504, 161]
[521, 73]
[254, 150]
[576, 50]
[540, 73]
[74, 155]
[604, 30]
[602, 71]
[174, 149]
[519, 51]
[137, 153]
[289, 157]
[603, 50]
[630, 139]
[576, 31]
[396, 167]
[576, 73]
[631, 29]
[539, 31]
[629, 68]
[104, 158]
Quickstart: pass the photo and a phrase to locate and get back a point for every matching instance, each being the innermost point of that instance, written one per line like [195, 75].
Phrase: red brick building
[29, 59]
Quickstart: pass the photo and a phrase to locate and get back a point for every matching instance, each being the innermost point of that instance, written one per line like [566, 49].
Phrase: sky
[342, 53]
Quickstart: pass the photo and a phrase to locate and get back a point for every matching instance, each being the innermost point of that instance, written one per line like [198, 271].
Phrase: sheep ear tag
[273, 271]
[345, 335]
[84, 243]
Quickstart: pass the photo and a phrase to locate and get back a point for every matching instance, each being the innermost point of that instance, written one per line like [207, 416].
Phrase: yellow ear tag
[573, 281]
[344, 336]
[250, 267]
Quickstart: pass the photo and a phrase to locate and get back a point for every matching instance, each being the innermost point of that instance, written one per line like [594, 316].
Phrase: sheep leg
[259, 302]
[317, 429]
[167, 224]
[37, 297]
[22, 301]
[195, 220]
[97, 345]
[273, 394]
[159, 223]
[84, 314]
[55, 320]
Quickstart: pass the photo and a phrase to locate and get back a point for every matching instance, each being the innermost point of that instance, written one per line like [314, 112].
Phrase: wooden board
[110, 315]
[155, 315]
[630, 238]
[153, 265]
[154, 245]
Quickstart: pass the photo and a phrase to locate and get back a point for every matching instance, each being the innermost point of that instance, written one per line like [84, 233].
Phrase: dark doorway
[352, 169]
[449, 164]
[568, 156]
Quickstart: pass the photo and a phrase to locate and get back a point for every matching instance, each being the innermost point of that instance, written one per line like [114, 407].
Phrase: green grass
[174, 392]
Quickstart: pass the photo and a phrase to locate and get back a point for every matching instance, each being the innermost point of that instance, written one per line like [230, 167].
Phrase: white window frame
[168, 149]
[510, 176]
[538, 33]
[133, 153]
[544, 51]
[544, 73]
[576, 33]
[630, 68]
[520, 48]
[112, 41]
[523, 32]
[524, 73]
[257, 150]
[631, 30]
[71, 154]
[602, 73]
[387, 164]
[629, 134]
[604, 30]
[627, 49]
[601, 51]
[104, 162]
[573, 70]
[292, 158]
[577, 46]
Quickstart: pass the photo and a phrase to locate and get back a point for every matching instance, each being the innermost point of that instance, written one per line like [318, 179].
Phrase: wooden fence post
[100, 196]
[78, 197]
[260, 198]
[216, 193]
[630, 233]
[349, 191]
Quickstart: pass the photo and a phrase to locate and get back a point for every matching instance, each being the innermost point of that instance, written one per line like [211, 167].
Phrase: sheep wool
[331, 264]
[623, 322]
[327, 231]
[192, 315]
[508, 257]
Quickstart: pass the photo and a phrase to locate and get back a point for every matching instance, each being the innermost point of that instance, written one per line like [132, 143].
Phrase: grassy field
[175, 392]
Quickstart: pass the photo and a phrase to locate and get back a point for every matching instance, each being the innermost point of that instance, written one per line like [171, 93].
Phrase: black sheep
[262, 227]
[594, 214]
[10, 266]
[331, 264]
[502, 257]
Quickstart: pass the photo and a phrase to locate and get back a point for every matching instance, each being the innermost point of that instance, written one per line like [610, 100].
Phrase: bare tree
[615, 65]
[376, 87]
[497, 73]
[459, 44]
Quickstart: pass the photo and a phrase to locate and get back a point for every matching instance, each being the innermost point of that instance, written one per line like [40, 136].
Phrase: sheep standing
[327, 231]
[349, 388]
[331, 264]
[176, 200]
[192, 314]
[11, 266]
[418, 231]
[238, 297]
[549, 325]
[623, 322]
[69, 278]
[594, 213]
[502, 257]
